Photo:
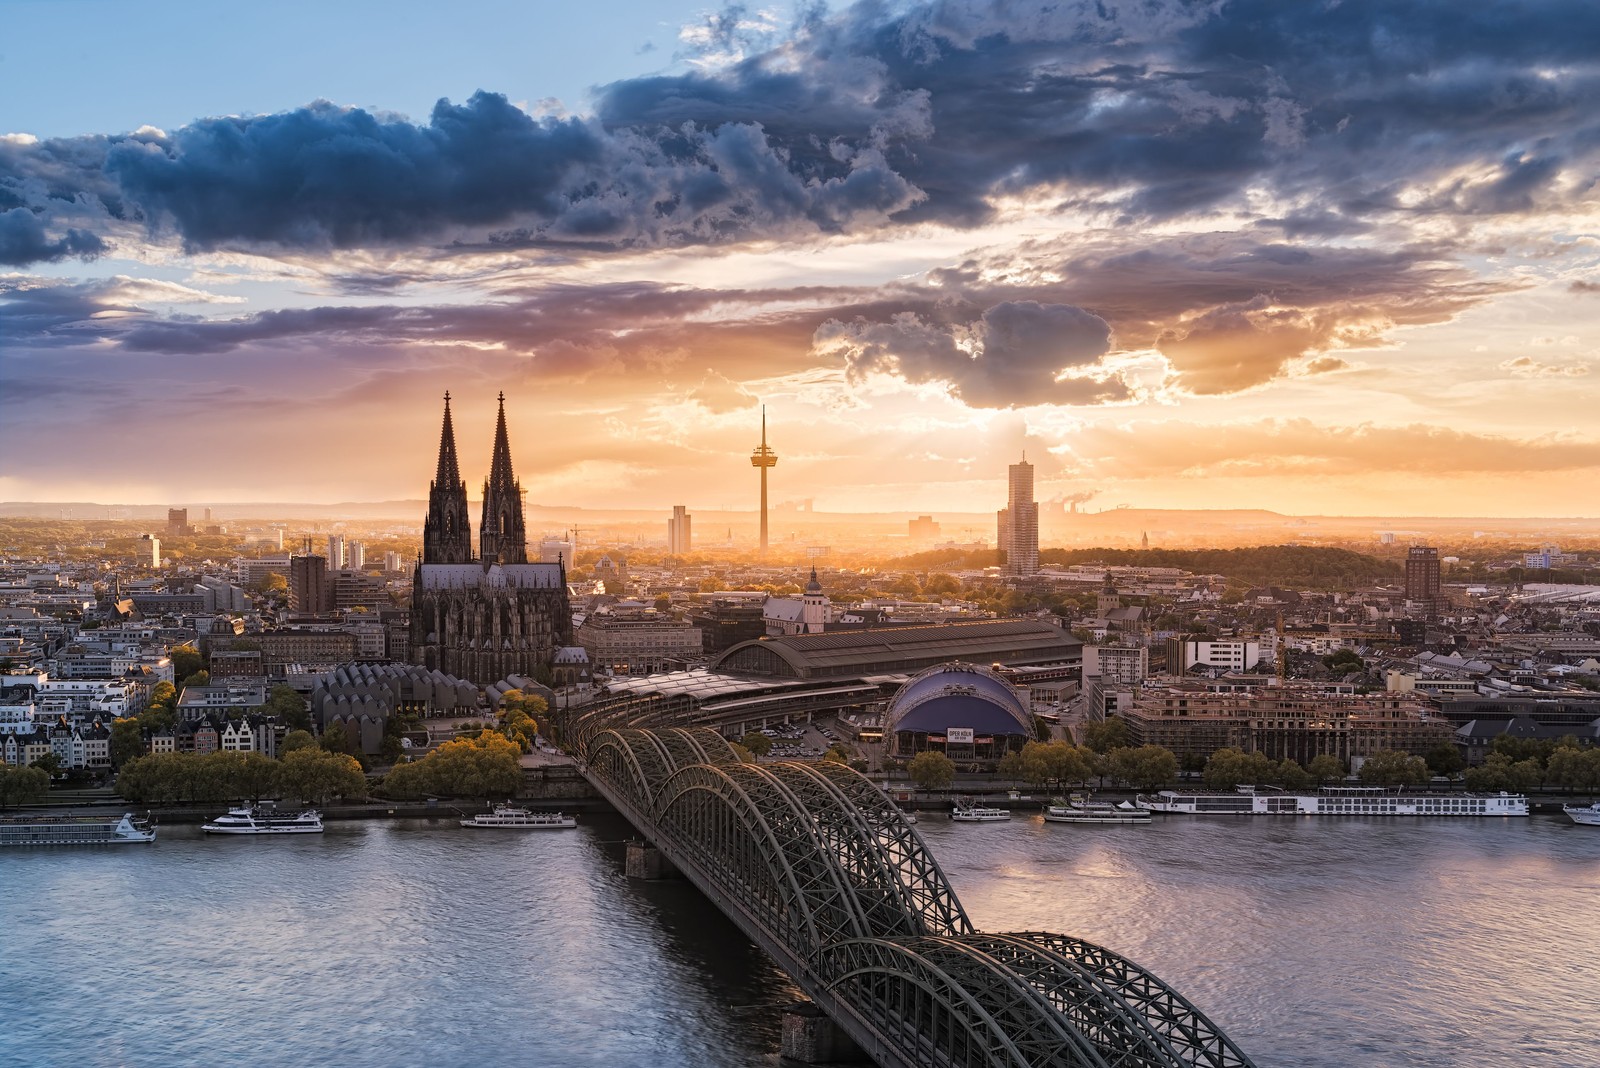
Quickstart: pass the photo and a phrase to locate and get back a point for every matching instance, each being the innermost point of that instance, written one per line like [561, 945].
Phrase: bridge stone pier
[823, 872]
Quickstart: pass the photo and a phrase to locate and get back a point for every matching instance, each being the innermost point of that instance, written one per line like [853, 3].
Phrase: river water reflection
[1319, 944]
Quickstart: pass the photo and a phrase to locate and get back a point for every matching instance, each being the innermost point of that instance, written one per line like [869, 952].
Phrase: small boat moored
[520, 819]
[264, 818]
[965, 811]
[1588, 815]
[1079, 809]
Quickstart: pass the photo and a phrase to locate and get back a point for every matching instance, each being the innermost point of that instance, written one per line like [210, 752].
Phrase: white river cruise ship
[75, 830]
[1333, 801]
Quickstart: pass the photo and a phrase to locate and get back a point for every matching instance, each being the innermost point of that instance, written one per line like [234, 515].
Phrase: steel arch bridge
[824, 872]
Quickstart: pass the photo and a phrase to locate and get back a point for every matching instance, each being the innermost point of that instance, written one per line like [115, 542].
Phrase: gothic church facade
[491, 615]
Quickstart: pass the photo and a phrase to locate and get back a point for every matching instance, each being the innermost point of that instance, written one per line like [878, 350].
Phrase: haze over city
[933, 533]
[1324, 259]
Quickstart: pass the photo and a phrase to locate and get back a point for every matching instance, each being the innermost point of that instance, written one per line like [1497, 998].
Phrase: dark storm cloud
[23, 240]
[1011, 356]
[326, 177]
[882, 116]
[1228, 312]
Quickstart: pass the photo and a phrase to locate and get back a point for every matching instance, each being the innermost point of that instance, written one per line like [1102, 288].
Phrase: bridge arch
[743, 825]
[823, 870]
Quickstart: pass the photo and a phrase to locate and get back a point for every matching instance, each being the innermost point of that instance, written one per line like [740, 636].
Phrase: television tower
[763, 457]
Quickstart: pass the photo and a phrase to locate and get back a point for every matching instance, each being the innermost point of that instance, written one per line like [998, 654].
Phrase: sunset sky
[1316, 257]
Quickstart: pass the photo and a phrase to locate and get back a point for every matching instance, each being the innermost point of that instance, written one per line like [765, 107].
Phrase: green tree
[1444, 759]
[1010, 766]
[163, 693]
[334, 739]
[931, 770]
[256, 775]
[199, 678]
[529, 704]
[1526, 774]
[1575, 769]
[49, 763]
[1230, 768]
[1492, 775]
[314, 776]
[127, 740]
[296, 739]
[485, 766]
[1109, 734]
[1522, 748]
[1148, 767]
[1390, 767]
[757, 743]
[1292, 776]
[1325, 768]
[1344, 662]
[837, 754]
[273, 585]
[20, 786]
[1043, 762]
[186, 661]
[286, 703]
[744, 755]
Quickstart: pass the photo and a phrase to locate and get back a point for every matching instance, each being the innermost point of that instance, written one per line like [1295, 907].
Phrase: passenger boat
[1333, 801]
[1588, 815]
[1079, 809]
[520, 819]
[967, 812]
[74, 830]
[265, 819]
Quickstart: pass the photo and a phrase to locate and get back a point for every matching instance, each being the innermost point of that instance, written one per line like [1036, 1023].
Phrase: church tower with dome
[497, 615]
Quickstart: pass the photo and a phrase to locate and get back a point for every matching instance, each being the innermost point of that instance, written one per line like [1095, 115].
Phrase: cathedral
[494, 615]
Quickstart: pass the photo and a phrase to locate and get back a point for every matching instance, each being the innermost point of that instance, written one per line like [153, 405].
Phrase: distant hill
[1295, 566]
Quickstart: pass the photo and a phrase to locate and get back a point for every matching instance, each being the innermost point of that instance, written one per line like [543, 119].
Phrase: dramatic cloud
[1230, 312]
[1336, 114]
[23, 241]
[1012, 356]
[1025, 328]
[907, 225]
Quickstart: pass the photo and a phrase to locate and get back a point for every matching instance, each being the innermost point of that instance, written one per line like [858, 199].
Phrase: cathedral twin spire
[446, 536]
[502, 538]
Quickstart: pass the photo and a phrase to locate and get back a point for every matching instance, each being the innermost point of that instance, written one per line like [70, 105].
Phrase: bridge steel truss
[822, 871]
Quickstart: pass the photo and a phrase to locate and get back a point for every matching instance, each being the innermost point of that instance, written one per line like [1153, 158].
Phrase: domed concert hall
[967, 712]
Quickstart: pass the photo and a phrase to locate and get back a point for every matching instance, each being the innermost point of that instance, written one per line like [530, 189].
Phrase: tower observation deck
[763, 457]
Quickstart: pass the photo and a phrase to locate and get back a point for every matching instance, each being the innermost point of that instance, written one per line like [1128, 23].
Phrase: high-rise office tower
[309, 587]
[764, 458]
[177, 522]
[1423, 583]
[679, 539]
[355, 556]
[155, 549]
[335, 552]
[1018, 522]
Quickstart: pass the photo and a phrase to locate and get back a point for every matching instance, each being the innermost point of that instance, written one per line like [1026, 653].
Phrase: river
[1314, 943]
